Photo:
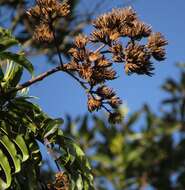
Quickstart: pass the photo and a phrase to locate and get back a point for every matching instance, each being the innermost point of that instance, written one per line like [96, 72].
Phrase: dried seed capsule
[93, 104]
[105, 92]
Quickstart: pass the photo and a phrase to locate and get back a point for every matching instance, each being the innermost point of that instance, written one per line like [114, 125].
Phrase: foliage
[23, 125]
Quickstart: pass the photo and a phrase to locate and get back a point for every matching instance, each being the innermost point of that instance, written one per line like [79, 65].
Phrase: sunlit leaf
[22, 146]
[20, 59]
[4, 164]
[11, 149]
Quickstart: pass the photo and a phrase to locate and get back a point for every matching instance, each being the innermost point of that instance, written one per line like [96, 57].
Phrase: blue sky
[59, 94]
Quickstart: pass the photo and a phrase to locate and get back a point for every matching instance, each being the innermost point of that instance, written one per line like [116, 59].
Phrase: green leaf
[7, 171]
[1, 74]
[7, 42]
[80, 164]
[12, 75]
[19, 59]
[51, 126]
[6, 39]
[35, 152]
[20, 142]
[79, 182]
[11, 149]
[133, 118]
[100, 157]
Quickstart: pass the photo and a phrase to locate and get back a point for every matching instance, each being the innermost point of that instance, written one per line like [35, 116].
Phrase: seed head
[43, 33]
[95, 66]
[115, 102]
[44, 13]
[93, 104]
[61, 182]
[81, 41]
[137, 60]
[156, 41]
[115, 117]
[105, 92]
[136, 30]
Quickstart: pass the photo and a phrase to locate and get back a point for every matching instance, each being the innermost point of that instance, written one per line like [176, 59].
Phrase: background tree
[128, 159]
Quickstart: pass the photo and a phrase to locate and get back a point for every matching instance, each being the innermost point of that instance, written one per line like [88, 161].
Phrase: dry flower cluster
[93, 67]
[61, 182]
[45, 13]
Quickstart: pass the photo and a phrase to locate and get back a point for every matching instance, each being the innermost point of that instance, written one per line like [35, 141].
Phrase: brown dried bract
[43, 33]
[137, 59]
[81, 41]
[105, 92]
[156, 41]
[61, 182]
[93, 104]
[44, 14]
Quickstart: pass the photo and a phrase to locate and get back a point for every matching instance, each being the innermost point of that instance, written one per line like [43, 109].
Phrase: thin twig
[55, 40]
[60, 57]
[58, 49]
[103, 106]
[105, 51]
[98, 49]
[77, 79]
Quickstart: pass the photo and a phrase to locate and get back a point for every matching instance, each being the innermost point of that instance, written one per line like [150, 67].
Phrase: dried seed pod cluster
[61, 182]
[45, 13]
[93, 67]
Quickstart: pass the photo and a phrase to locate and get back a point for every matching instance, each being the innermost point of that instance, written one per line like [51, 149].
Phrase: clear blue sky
[59, 94]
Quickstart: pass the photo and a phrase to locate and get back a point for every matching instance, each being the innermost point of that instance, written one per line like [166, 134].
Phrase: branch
[34, 80]
[43, 76]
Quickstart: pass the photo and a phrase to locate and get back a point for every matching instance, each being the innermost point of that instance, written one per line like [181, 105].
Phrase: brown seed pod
[105, 92]
[94, 104]
[156, 41]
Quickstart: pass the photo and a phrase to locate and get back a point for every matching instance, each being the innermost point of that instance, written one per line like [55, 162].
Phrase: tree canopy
[91, 151]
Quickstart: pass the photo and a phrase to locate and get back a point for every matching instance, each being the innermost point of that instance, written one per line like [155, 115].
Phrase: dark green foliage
[23, 125]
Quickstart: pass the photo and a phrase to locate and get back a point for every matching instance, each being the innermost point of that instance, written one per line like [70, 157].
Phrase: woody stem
[34, 80]
[55, 41]
[60, 57]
